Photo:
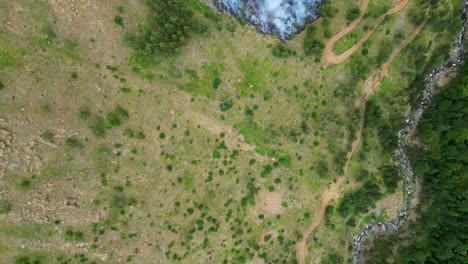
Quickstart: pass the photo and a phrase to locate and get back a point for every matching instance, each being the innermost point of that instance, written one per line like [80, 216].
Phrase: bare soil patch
[269, 203]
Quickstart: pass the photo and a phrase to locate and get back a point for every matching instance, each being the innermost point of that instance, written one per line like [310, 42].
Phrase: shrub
[359, 200]
[119, 20]
[30, 259]
[74, 236]
[391, 177]
[353, 13]
[226, 104]
[248, 112]
[45, 108]
[5, 207]
[98, 126]
[47, 135]
[84, 114]
[73, 143]
[128, 132]
[113, 119]
[121, 112]
[141, 135]
[312, 45]
[281, 51]
[216, 83]
[169, 28]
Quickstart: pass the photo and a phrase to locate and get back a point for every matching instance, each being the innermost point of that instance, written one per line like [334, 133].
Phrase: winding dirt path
[329, 57]
[336, 188]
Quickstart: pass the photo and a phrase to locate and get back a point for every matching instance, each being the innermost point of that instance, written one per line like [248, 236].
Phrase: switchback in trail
[336, 188]
[329, 57]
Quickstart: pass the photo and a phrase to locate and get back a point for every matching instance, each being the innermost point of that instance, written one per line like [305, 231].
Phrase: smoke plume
[280, 17]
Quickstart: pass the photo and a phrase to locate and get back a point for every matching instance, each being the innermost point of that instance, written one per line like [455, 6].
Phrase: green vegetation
[30, 259]
[226, 104]
[312, 45]
[74, 143]
[193, 151]
[119, 21]
[253, 72]
[438, 233]
[332, 257]
[5, 207]
[353, 13]
[170, 26]
[359, 200]
[8, 57]
[99, 124]
[47, 135]
[280, 50]
[75, 236]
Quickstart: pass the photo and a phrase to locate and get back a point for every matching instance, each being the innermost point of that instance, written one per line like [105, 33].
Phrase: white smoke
[281, 17]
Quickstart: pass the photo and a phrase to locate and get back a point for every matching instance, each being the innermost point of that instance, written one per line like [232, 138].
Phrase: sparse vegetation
[212, 140]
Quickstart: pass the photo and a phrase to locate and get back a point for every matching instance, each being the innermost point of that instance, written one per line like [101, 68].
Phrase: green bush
[391, 177]
[141, 135]
[312, 45]
[99, 126]
[216, 82]
[84, 114]
[73, 143]
[47, 135]
[119, 20]
[332, 257]
[121, 112]
[226, 104]
[282, 51]
[129, 133]
[113, 119]
[353, 13]
[5, 207]
[359, 200]
[170, 26]
[71, 235]
[30, 259]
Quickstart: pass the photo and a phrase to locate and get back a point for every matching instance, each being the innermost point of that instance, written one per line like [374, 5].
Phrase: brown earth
[269, 203]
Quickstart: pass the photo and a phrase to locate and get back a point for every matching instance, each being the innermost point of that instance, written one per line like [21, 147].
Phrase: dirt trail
[336, 188]
[329, 57]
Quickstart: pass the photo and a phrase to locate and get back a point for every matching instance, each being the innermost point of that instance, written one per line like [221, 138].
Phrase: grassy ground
[105, 160]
